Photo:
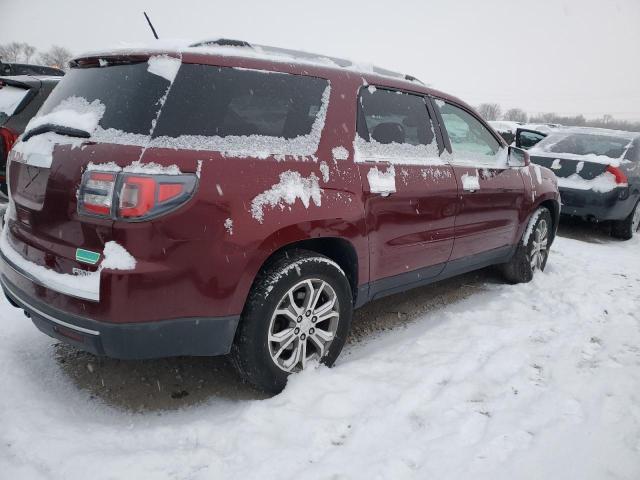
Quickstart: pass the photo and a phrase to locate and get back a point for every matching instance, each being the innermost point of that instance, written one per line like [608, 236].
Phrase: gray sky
[564, 56]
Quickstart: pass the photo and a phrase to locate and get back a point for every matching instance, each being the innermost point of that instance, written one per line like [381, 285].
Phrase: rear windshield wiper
[59, 129]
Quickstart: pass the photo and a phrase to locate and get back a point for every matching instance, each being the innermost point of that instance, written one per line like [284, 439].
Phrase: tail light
[125, 196]
[7, 139]
[621, 177]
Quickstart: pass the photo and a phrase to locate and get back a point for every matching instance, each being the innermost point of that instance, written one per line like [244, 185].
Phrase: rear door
[492, 193]
[410, 193]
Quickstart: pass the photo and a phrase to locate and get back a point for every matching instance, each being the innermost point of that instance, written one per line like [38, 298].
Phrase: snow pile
[150, 168]
[397, 153]
[255, 146]
[470, 182]
[73, 112]
[340, 153]
[116, 257]
[534, 381]
[603, 183]
[324, 170]
[292, 186]
[228, 225]
[380, 182]
[164, 66]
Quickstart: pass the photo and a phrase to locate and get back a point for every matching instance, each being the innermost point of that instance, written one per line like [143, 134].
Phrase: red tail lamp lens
[138, 196]
[619, 174]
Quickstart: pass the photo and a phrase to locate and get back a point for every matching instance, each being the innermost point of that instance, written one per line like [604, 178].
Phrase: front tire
[532, 251]
[299, 311]
[627, 228]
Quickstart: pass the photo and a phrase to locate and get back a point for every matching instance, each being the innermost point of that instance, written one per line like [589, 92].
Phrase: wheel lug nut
[311, 331]
[303, 336]
[299, 318]
[296, 331]
[314, 319]
[308, 313]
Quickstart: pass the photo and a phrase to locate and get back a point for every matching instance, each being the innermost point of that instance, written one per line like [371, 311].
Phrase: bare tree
[515, 115]
[28, 51]
[16, 52]
[489, 111]
[56, 56]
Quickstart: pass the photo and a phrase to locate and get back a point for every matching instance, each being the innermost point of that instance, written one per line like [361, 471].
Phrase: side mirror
[518, 157]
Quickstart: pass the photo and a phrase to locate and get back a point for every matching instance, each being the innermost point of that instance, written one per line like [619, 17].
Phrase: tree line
[492, 111]
[21, 52]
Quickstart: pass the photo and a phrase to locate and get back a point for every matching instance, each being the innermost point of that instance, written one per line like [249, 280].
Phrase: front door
[491, 192]
[410, 193]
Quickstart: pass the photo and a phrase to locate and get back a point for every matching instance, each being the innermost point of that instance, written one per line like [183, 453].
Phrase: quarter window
[471, 141]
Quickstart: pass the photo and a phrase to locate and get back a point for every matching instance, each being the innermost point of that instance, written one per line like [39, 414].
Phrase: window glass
[585, 144]
[529, 139]
[225, 102]
[470, 140]
[131, 95]
[394, 117]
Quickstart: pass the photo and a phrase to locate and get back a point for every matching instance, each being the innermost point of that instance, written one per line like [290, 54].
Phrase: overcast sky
[563, 56]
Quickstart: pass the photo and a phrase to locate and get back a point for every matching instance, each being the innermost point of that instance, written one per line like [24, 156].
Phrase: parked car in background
[268, 205]
[531, 133]
[20, 99]
[598, 174]
[14, 69]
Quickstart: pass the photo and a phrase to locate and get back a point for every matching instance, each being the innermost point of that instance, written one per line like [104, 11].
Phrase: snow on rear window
[10, 98]
[165, 66]
[588, 144]
[243, 112]
[73, 112]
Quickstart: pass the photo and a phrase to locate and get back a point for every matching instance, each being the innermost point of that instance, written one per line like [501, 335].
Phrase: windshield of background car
[584, 144]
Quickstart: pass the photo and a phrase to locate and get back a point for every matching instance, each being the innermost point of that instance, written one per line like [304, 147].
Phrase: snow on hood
[292, 186]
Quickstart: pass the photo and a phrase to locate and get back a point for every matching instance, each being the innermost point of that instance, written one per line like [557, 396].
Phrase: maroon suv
[242, 199]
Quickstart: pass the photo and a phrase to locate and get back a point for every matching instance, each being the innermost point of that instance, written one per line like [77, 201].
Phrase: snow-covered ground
[536, 381]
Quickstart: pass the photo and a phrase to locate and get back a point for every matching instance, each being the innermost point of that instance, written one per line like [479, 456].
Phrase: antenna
[150, 25]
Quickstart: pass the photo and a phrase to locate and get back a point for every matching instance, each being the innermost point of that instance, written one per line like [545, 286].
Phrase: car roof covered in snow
[237, 53]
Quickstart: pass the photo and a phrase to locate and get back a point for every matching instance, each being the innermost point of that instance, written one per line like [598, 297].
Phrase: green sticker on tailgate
[87, 256]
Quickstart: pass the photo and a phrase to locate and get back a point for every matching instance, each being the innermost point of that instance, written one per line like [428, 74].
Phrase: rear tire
[299, 310]
[627, 228]
[532, 250]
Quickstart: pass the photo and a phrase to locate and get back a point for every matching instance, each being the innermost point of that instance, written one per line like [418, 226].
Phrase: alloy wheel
[540, 245]
[303, 324]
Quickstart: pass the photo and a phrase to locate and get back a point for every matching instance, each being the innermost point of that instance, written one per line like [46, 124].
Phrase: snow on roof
[234, 48]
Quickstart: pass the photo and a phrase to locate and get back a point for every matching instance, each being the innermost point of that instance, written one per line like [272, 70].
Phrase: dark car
[598, 174]
[15, 69]
[245, 200]
[20, 99]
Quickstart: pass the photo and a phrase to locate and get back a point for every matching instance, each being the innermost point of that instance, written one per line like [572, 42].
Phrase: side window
[471, 141]
[394, 125]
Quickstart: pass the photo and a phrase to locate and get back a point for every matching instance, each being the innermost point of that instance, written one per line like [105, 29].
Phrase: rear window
[10, 99]
[224, 102]
[584, 144]
[130, 94]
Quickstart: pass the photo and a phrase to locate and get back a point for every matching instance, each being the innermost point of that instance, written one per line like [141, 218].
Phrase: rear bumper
[167, 338]
[614, 205]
